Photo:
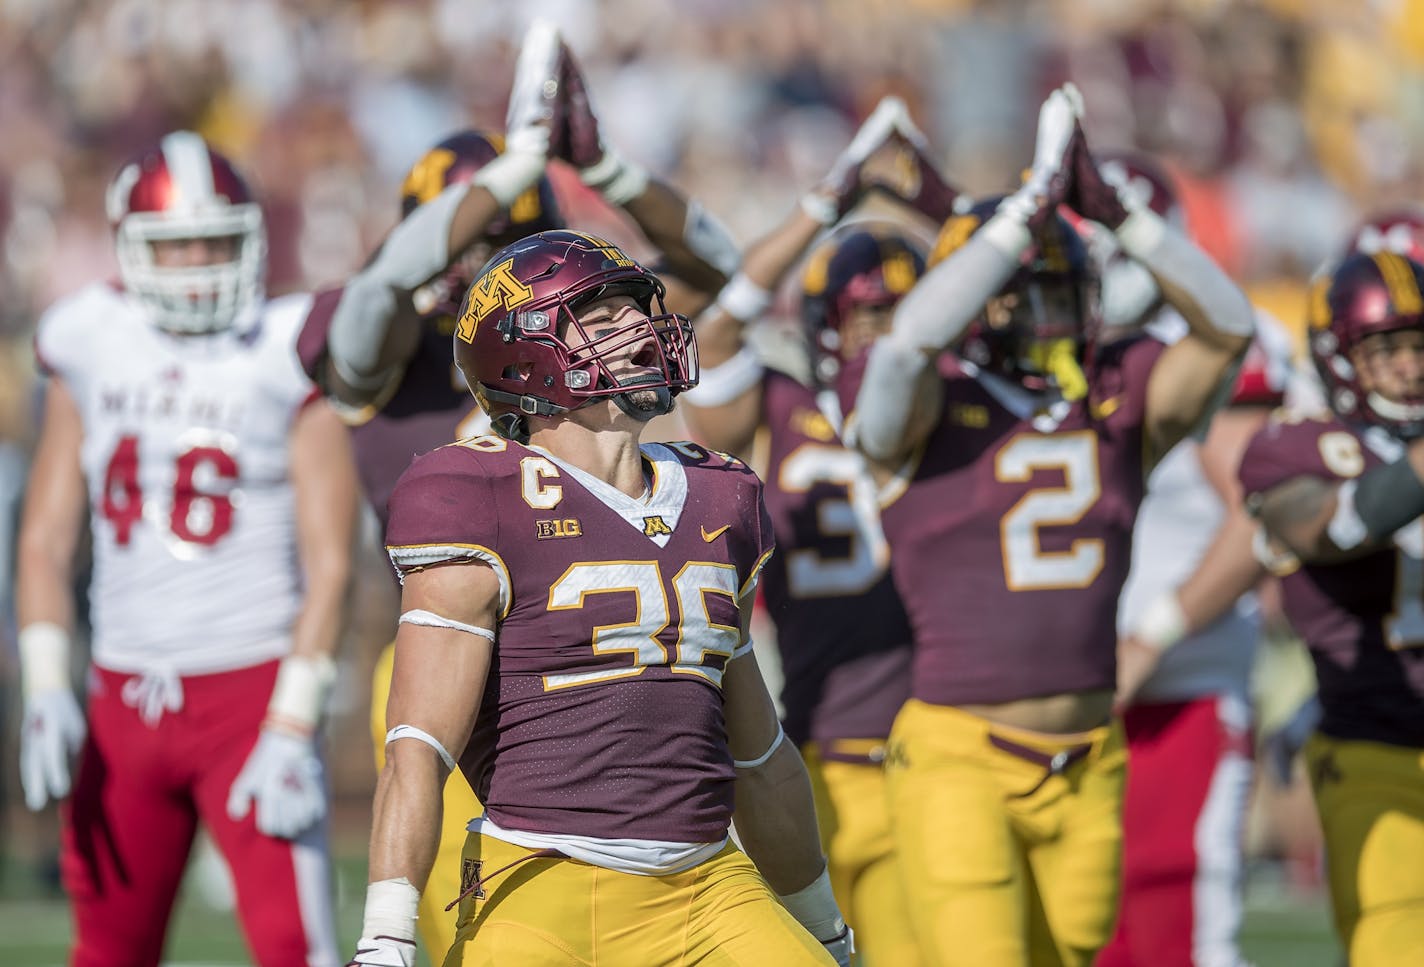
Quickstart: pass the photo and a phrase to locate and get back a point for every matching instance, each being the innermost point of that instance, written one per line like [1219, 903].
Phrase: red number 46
[196, 518]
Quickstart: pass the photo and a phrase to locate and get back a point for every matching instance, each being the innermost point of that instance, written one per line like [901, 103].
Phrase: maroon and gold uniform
[602, 721]
[1363, 622]
[1011, 533]
[845, 651]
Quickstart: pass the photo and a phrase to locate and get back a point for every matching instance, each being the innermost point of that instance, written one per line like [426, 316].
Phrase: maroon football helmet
[1366, 295]
[1400, 231]
[1043, 339]
[861, 268]
[185, 190]
[455, 161]
[511, 337]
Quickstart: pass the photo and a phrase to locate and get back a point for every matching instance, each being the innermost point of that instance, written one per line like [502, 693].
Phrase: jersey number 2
[196, 517]
[1027, 566]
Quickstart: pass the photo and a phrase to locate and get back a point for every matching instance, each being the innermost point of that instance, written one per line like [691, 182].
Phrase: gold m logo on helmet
[496, 289]
[653, 526]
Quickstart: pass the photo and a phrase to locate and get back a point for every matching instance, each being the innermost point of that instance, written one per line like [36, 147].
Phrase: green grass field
[34, 930]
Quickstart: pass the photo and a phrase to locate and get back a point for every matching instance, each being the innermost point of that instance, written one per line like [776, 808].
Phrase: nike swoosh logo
[710, 537]
[1106, 408]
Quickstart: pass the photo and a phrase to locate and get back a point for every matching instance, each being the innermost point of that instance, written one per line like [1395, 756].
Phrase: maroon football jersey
[1362, 619]
[426, 411]
[842, 632]
[603, 712]
[1010, 537]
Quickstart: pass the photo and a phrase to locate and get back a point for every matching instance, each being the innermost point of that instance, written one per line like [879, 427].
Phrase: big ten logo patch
[470, 878]
[654, 526]
[497, 288]
[567, 527]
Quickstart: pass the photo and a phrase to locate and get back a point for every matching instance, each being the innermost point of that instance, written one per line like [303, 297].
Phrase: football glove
[838, 192]
[528, 119]
[920, 183]
[50, 736]
[283, 776]
[1048, 180]
[1091, 195]
[581, 142]
[381, 951]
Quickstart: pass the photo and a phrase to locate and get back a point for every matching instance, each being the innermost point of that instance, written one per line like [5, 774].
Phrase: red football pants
[138, 798]
[1189, 776]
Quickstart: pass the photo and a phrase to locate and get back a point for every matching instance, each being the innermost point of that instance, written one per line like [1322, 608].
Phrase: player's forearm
[776, 820]
[326, 494]
[1226, 571]
[43, 581]
[406, 814]
[1215, 308]
[697, 248]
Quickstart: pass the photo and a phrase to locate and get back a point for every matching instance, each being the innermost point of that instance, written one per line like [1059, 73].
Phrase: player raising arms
[1343, 494]
[380, 346]
[840, 629]
[1018, 466]
[221, 496]
[574, 636]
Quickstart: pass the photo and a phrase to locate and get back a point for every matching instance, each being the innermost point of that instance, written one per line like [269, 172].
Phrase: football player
[1012, 476]
[1343, 494]
[840, 628]
[380, 346]
[574, 639]
[1186, 648]
[221, 494]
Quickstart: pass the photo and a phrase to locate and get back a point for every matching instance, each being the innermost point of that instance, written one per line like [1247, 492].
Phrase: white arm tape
[743, 299]
[1172, 257]
[1347, 529]
[390, 909]
[815, 908]
[515, 171]
[618, 181]
[720, 384]
[708, 239]
[420, 735]
[761, 759]
[429, 619]
[44, 658]
[820, 208]
[1163, 622]
[745, 648]
[303, 683]
[418, 248]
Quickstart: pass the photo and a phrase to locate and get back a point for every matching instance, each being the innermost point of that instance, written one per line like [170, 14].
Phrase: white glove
[536, 78]
[840, 189]
[284, 776]
[1047, 181]
[383, 952]
[52, 733]
[841, 947]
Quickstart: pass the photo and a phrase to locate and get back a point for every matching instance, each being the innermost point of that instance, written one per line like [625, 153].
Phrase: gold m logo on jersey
[497, 289]
[653, 526]
[568, 527]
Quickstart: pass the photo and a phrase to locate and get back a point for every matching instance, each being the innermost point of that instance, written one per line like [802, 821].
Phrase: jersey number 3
[1027, 566]
[196, 517]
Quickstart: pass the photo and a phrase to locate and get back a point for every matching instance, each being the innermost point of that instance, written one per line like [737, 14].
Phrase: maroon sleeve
[1119, 378]
[442, 510]
[1283, 450]
[316, 329]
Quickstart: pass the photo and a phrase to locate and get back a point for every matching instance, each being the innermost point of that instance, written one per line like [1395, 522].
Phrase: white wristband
[299, 697]
[44, 658]
[618, 181]
[1141, 232]
[743, 299]
[719, 385]
[390, 909]
[510, 175]
[815, 908]
[1007, 234]
[820, 208]
[1163, 623]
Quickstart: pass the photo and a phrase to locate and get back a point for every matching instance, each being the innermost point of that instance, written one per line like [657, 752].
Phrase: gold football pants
[435, 925]
[848, 780]
[1010, 840]
[1370, 797]
[537, 911]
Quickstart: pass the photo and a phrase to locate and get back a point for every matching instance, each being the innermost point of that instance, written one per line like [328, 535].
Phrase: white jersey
[185, 453]
[1176, 523]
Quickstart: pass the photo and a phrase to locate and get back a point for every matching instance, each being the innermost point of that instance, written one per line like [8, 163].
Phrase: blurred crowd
[1283, 120]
